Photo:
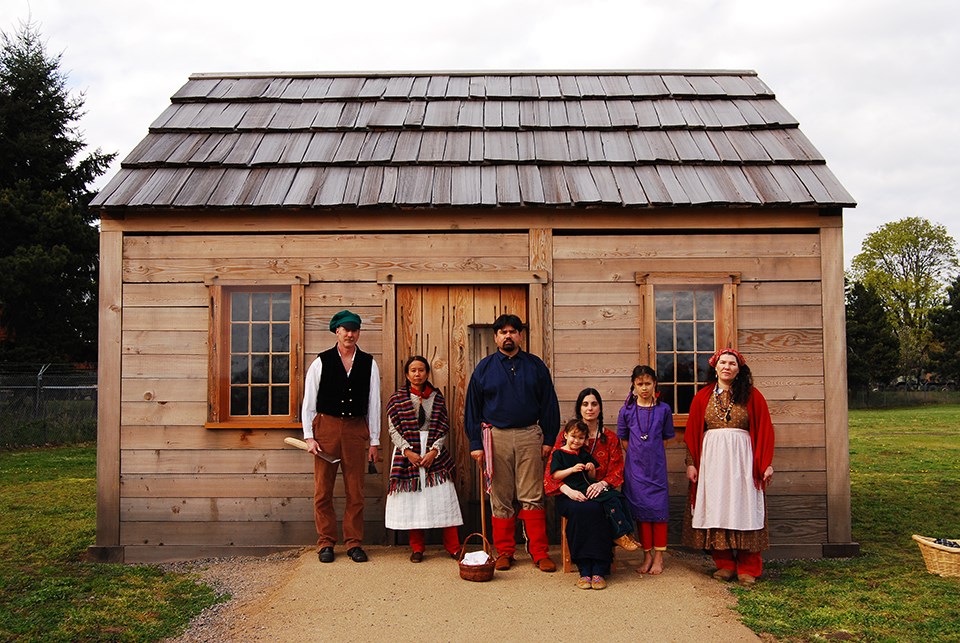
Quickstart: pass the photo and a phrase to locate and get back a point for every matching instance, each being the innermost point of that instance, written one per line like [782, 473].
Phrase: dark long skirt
[589, 535]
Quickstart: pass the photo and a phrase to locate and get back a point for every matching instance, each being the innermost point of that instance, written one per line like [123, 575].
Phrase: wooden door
[452, 327]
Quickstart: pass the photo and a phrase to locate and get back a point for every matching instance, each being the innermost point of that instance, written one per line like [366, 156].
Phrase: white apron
[726, 495]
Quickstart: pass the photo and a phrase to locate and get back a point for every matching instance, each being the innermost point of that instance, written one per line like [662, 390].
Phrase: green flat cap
[345, 318]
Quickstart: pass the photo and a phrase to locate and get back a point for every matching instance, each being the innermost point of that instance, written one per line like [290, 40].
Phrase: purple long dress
[645, 462]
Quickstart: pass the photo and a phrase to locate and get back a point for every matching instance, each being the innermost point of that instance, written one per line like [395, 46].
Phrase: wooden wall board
[774, 317]
[597, 317]
[784, 388]
[339, 295]
[166, 295]
[774, 364]
[348, 220]
[220, 485]
[774, 293]
[758, 269]
[691, 245]
[191, 436]
[165, 366]
[161, 390]
[109, 338]
[309, 246]
[601, 294]
[160, 342]
[328, 268]
[760, 340]
[588, 365]
[152, 318]
[160, 412]
[835, 376]
[227, 533]
[214, 461]
[180, 510]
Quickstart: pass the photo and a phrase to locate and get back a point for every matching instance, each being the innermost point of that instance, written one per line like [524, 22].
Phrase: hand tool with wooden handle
[300, 444]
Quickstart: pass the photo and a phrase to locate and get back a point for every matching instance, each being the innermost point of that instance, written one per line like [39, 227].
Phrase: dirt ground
[292, 597]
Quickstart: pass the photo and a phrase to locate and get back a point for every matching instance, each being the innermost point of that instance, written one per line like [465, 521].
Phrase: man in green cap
[341, 422]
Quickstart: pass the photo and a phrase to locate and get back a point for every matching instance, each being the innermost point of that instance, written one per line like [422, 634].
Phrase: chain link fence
[47, 404]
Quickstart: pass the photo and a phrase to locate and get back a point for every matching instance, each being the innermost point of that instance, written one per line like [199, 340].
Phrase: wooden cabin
[629, 217]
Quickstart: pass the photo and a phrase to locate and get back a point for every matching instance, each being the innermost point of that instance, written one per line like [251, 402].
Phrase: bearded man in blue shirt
[512, 410]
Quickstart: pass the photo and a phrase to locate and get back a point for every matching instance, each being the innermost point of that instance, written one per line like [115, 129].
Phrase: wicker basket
[478, 573]
[940, 559]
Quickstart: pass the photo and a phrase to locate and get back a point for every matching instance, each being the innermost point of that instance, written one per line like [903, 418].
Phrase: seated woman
[588, 532]
[576, 469]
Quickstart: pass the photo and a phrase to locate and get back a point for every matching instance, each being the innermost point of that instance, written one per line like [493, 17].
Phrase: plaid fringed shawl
[403, 414]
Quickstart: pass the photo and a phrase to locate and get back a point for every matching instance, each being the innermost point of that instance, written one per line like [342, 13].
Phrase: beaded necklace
[722, 411]
[644, 434]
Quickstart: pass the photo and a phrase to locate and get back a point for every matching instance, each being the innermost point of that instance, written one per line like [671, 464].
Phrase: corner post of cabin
[107, 548]
[835, 389]
[388, 357]
[540, 307]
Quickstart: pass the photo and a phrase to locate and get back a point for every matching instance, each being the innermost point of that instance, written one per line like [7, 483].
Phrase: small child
[577, 468]
[644, 423]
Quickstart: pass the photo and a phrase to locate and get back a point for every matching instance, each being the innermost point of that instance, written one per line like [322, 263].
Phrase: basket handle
[487, 547]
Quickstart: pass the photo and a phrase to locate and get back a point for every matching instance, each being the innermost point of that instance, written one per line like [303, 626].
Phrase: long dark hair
[594, 392]
[742, 383]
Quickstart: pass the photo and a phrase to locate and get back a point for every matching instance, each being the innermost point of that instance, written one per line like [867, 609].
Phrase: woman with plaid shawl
[421, 493]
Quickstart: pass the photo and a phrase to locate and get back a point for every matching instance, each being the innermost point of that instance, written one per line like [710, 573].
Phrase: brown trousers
[517, 471]
[349, 440]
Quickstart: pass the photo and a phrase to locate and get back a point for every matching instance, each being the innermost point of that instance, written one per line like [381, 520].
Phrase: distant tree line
[903, 308]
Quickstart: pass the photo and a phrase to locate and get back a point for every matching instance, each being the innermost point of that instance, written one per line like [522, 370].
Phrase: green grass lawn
[47, 593]
[905, 479]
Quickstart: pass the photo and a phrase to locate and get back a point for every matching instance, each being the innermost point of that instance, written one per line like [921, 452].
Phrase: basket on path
[478, 573]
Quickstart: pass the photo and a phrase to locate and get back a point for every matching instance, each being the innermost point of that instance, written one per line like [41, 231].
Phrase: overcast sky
[871, 82]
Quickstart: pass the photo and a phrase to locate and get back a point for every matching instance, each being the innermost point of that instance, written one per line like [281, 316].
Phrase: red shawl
[609, 457]
[761, 432]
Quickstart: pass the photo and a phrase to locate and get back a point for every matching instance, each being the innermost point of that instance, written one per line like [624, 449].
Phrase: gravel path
[292, 597]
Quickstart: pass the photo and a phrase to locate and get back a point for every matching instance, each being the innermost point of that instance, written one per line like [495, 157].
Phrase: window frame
[725, 332]
[218, 376]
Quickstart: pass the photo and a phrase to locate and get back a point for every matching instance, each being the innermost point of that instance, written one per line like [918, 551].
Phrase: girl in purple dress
[644, 423]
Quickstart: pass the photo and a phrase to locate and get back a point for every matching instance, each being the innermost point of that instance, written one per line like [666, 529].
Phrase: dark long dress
[589, 535]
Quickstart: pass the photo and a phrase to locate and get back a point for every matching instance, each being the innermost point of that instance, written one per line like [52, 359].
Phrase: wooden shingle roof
[629, 139]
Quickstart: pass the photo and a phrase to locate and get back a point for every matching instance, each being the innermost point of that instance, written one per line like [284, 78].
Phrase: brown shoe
[724, 574]
[746, 580]
[597, 582]
[546, 565]
[584, 582]
[503, 563]
[416, 557]
[627, 542]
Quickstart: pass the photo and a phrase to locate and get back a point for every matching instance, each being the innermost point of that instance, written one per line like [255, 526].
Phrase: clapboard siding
[214, 485]
[313, 246]
[232, 509]
[689, 246]
[189, 436]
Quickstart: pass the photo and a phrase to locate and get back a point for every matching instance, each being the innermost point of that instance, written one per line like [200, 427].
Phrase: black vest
[343, 396]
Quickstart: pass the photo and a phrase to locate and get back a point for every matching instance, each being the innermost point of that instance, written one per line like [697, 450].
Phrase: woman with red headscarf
[729, 438]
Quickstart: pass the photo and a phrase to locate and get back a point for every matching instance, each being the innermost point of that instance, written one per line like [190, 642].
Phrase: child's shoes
[627, 542]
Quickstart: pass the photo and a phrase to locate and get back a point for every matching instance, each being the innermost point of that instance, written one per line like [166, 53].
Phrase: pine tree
[48, 249]
[946, 334]
[872, 346]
